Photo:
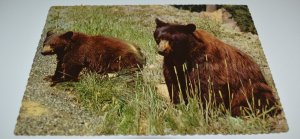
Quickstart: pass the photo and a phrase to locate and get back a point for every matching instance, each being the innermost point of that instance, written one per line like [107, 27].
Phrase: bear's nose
[163, 53]
[43, 53]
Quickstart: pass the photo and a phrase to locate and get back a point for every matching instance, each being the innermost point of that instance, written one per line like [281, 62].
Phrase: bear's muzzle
[164, 47]
[47, 50]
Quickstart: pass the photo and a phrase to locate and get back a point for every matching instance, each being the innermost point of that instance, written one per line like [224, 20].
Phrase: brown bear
[100, 54]
[197, 64]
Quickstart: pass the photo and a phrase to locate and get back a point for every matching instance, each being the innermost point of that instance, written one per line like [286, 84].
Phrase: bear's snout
[47, 50]
[163, 47]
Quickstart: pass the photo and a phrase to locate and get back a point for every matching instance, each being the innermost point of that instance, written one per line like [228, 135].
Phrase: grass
[130, 104]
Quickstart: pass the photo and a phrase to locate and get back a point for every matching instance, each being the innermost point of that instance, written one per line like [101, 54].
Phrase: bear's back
[117, 46]
[112, 53]
[240, 65]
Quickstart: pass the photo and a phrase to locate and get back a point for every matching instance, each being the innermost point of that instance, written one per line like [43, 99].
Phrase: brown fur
[202, 61]
[100, 54]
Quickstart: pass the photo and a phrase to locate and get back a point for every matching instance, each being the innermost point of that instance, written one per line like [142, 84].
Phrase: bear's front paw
[52, 78]
[53, 84]
[48, 78]
[70, 79]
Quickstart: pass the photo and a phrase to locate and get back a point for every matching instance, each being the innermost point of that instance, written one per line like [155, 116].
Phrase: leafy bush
[241, 14]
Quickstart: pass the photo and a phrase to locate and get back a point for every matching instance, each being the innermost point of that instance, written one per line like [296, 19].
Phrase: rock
[162, 90]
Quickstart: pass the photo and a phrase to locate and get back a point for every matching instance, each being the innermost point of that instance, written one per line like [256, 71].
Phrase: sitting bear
[100, 54]
[197, 64]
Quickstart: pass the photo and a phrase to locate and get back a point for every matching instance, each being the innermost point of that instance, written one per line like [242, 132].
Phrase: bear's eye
[56, 44]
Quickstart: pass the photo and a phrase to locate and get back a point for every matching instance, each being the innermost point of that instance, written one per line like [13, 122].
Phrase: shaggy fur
[198, 64]
[100, 54]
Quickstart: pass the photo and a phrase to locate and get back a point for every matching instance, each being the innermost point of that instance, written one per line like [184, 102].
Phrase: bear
[197, 64]
[100, 54]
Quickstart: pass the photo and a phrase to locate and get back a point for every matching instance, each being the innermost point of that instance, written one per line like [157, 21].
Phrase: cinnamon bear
[197, 64]
[100, 54]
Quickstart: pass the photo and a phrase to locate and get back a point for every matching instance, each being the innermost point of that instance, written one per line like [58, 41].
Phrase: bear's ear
[159, 23]
[190, 28]
[49, 33]
[68, 35]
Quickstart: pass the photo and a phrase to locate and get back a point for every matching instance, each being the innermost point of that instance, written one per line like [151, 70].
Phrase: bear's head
[173, 38]
[56, 43]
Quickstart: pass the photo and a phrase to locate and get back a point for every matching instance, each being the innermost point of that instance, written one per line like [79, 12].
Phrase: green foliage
[242, 16]
[130, 104]
[192, 8]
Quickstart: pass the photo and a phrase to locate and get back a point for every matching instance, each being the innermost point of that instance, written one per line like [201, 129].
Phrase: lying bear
[100, 54]
[198, 64]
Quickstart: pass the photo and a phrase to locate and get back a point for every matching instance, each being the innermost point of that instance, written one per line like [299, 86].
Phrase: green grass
[130, 104]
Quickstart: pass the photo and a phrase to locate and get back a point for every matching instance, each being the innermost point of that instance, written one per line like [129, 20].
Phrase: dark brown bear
[100, 54]
[198, 64]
